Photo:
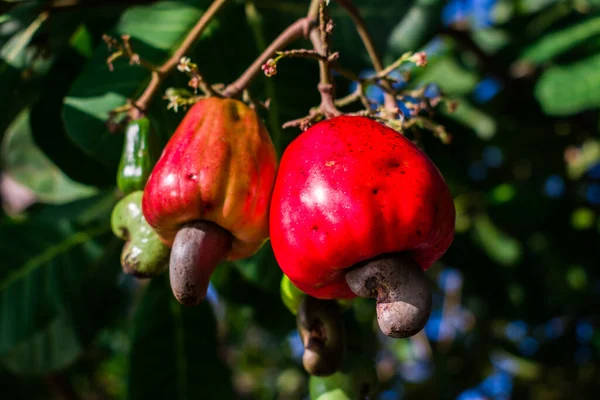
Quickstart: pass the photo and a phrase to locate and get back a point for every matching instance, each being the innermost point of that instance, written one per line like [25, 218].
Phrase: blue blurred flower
[432, 90]
[212, 295]
[374, 92]
[584, 331]
[471, 394]
[477, 12]
[450, 280]
[516, 330]
[498, 384]
[529, 346]
[504, 363]
[486, 90]
[482, 13]
[477, 171]
[594, 171]
[582, 355]
[390, 395]
[434, 47]
[295, 343]
[593, 193]
[406, 112]
[554, 328]
[437, 327]
[416, 371]
[554, 186]
[492, 156]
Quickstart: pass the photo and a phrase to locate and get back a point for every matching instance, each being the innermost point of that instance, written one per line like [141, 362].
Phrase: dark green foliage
[516, 295]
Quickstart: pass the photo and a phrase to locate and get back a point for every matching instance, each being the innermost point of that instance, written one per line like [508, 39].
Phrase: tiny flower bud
[452, 106]
[420, 59]
[184, 64]
[270, 67]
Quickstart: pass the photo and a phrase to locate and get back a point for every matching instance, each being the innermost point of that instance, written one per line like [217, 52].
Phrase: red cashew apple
[358, 209]
[208, 195]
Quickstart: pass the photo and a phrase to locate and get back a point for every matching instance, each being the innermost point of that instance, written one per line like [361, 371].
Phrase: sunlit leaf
[28, 165]
[555, 43]
[416, 27]
[583, 218]
[569, 89]
[97, 90]
[452, 78]
[483, 124]
[499, 246]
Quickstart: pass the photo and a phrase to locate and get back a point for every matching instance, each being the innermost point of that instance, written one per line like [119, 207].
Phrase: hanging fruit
[140, 152]
[358, 209]
[208, 195]
[144, 255]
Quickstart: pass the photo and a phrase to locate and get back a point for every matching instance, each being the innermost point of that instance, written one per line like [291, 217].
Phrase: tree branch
[367, 40]
[159, 75]
[300, 28]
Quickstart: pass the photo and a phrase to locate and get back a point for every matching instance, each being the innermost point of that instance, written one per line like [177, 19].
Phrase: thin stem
[313, 9]
[159, 75]
[256, 23]
[320, 42]
[300, 28]
[367, 40]
[306, 53]
[194, 34]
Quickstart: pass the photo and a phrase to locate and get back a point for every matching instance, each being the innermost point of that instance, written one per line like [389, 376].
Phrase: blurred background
[516, 296]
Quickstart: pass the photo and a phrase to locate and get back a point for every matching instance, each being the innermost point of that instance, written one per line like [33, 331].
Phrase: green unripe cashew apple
[291, 296]
[144, 254]
[356, 380]
[208, 196]
[140, 152]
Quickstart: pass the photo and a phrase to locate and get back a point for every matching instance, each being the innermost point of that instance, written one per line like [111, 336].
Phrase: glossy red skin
[349, 189]
[219, 166]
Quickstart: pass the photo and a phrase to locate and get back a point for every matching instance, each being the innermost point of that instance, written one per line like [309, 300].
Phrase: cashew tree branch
[159, 74]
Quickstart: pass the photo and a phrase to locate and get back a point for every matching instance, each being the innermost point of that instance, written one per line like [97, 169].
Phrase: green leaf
[48, 126]
[452, 78]
[261, 269]
[559, 42]
[417, 27]
[483, 124]
[55, 263]
[50, 349]
[175, 350]
[569, 89]
[96, 91]
[14, 51]
[500, 247]
[28, 165]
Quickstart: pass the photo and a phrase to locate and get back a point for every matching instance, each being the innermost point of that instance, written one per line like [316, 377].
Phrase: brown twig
[159, 75]
[320, 42]
[300, 28]
[363, 32]
[124, 48]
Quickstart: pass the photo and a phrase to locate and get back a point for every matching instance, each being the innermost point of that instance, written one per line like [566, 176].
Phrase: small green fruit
[356, 380]
[292, 296]
[140, 153]
[144, 255]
